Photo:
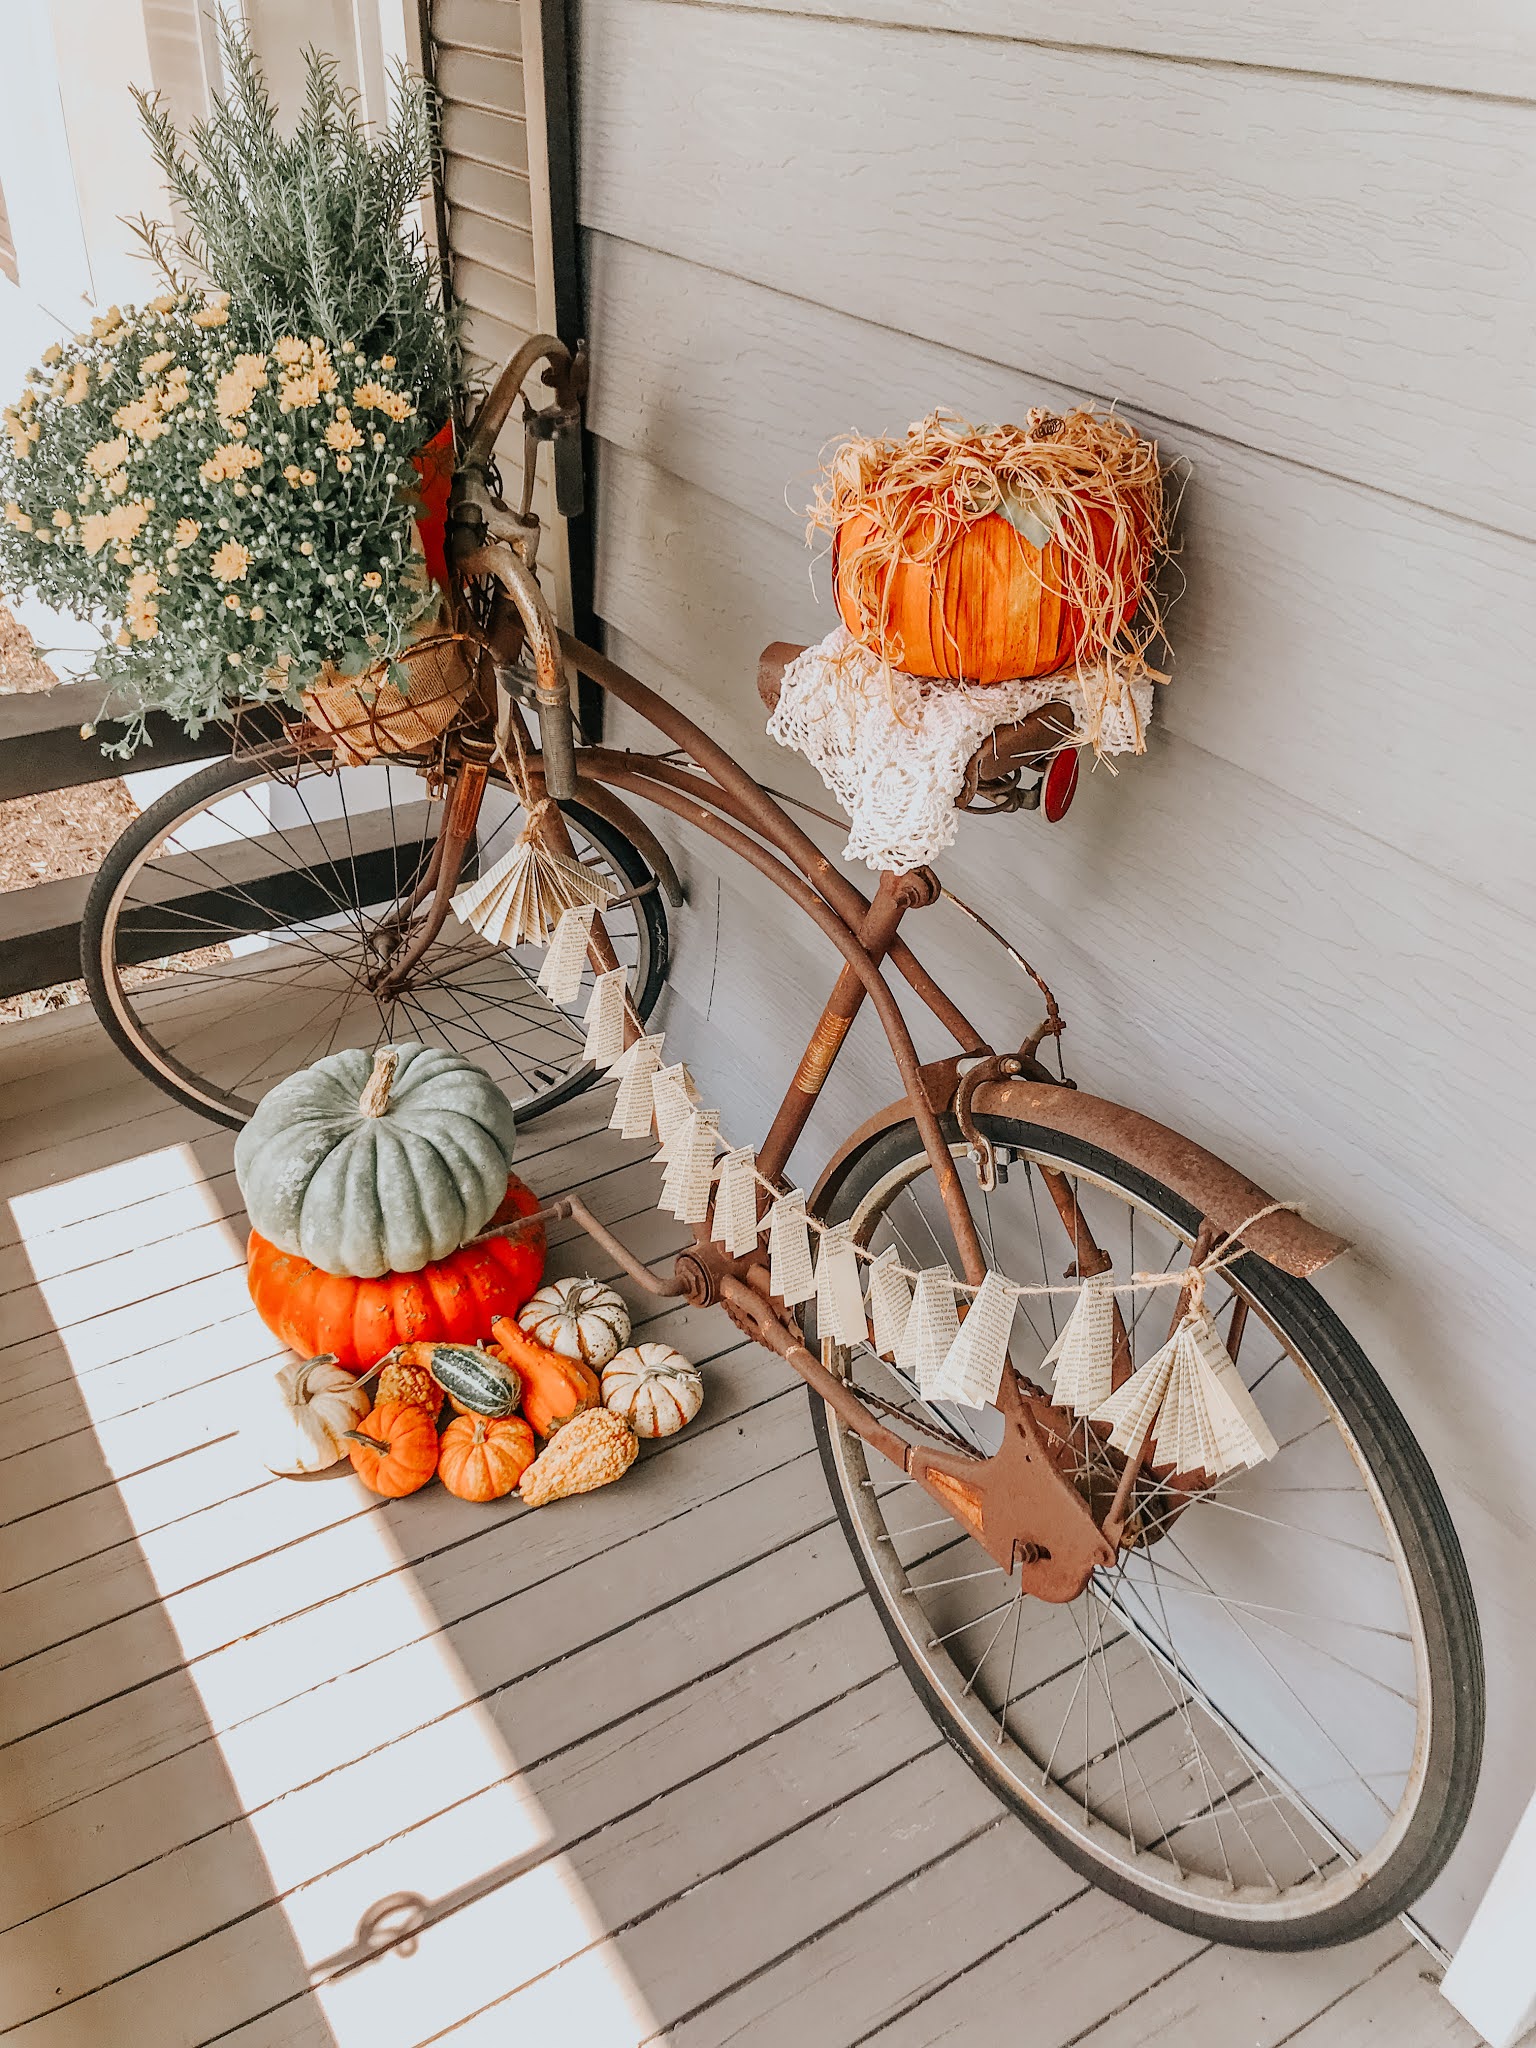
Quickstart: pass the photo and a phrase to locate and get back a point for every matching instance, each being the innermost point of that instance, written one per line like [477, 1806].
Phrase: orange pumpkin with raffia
[990, 607]
[453, 1301]
[554, 1387]
[483, 1457]
[394, 1449]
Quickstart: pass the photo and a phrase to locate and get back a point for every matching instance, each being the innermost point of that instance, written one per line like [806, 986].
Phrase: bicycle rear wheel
[1263, 1724]
[237, 930]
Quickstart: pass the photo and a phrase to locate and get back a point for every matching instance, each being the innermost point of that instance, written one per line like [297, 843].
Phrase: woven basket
[368, 715]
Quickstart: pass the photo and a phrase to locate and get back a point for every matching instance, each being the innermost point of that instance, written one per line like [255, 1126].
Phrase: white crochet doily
[893, 748]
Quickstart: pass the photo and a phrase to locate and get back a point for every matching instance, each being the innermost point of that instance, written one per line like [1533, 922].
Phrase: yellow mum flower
[344, 464]
[386, 362]
[107, 323]
[62, 518]
[123, 522]
[341, 435]
[215, 313]
[307, 477]
[141, 584]
[107, 456]
[187, 531]
[397, 406]
[52, 354]
[18, 518]
[300, 390]
[226, 463]
[117, 482]
[93, 530]
[79, 385]
[151, 366]
[232, 603]
[370, 396]
[372, 580]
[230, 562]
[166, 303]
[289, 349]
[292, 474]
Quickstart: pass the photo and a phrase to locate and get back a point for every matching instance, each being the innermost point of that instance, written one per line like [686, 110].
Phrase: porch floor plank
[286, 1766]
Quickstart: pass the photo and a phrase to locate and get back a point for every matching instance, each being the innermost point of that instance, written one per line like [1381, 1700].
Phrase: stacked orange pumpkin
[366, 1177]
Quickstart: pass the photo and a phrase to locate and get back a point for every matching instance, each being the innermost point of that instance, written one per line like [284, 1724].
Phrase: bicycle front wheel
[240, 928]
[1263, 1724]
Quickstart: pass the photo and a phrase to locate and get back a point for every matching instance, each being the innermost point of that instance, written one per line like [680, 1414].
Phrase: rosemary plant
[310, 233]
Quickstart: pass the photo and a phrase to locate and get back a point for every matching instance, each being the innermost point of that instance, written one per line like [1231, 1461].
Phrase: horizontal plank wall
[1302, 927]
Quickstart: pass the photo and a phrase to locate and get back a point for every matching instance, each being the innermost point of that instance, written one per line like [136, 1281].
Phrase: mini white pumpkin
[300, 1420]
[654, 1389]
[578, 1318]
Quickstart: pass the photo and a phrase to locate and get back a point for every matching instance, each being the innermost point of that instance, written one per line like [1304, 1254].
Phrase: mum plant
[238, 519]
[222, 479]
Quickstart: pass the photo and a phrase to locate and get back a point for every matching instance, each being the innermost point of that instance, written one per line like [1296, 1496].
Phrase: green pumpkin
[370, 1163]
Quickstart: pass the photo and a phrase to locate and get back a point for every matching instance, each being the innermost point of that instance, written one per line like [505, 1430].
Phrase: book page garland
[1186, 1408]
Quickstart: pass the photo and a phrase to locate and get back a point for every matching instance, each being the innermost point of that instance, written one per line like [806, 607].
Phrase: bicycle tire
[199, 792]
[1421, 1520]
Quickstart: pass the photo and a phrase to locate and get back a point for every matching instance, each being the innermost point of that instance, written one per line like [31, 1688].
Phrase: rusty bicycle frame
[1021, 1503]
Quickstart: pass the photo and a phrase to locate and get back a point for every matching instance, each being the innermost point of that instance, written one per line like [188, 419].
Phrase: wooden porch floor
[286, 1766]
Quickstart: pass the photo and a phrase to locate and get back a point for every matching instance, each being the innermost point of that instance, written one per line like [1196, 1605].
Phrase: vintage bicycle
[1252, 1707]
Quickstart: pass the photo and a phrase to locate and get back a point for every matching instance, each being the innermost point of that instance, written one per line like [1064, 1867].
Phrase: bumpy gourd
[654, 1388]
[578, 1318]
[301, 1421]
[592, 1450]
[404, 1378]
[368, 1164]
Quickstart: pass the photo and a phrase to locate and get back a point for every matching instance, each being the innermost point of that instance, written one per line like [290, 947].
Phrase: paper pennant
[517, 901]
[789, 1250]
[1084, 1353]
[931, 1328]
[634, 1071]
[605, 1018]
[1190, 1401]
[690, 1161]
[890, 1302]
[560, 976]
[839, 1291]
[972, 1370]
[736, 1202]
[673, 1095]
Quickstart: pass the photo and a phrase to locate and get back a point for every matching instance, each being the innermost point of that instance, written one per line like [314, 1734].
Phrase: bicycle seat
[993, 771]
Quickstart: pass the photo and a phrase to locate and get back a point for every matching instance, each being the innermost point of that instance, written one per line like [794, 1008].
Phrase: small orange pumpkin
[451, 1301]
[483, 1457]
[988, 608]
[394, 1449]
[554, 1387]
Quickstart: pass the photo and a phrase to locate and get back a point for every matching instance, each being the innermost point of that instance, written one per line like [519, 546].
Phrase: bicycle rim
[1264, 1723]
[233, 932]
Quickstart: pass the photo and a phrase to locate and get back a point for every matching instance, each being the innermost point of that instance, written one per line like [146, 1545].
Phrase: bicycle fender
[1209, 1184]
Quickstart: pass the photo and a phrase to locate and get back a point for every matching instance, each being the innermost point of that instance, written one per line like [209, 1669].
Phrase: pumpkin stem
[373, 1442]
[374, 1099]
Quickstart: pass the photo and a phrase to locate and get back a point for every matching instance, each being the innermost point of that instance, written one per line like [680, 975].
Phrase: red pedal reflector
[1060, 785]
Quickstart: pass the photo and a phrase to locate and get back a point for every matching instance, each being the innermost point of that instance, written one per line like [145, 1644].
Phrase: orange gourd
[554, 1387]
[453, 1301]
[482, 1457]
[394, 1449]
[988, 608]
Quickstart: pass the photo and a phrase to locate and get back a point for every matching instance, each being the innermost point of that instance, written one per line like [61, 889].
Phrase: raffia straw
[921, 494]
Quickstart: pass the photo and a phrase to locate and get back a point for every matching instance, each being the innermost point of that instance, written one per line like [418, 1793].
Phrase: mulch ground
[47, 838]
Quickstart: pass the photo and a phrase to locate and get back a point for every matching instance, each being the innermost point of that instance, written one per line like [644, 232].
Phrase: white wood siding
[1296, 251]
